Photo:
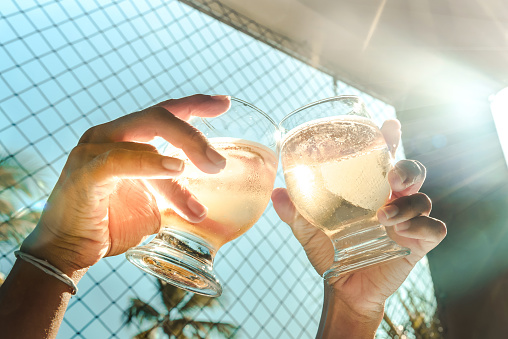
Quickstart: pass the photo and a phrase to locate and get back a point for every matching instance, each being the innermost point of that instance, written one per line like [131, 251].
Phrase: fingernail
[172, 164]
[221, 97]
[216, 157]
[408, 171]
[196, 207]
[390, 211]
[400, 173]
[402, 226]
[392, 147]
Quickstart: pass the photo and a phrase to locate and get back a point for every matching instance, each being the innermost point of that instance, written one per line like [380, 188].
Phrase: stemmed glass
[335, 163]
[182, 253]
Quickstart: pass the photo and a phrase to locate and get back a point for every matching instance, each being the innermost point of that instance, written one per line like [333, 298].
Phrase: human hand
[99, 207]
[363, 293]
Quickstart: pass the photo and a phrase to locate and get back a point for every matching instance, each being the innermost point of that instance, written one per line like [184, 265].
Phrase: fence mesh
[68, 65]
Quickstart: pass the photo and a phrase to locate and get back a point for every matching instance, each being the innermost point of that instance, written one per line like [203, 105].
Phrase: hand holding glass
[182, 253]
[335, 163]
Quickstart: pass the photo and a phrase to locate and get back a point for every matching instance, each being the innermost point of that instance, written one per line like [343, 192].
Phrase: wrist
[45, 249]
[344, 320]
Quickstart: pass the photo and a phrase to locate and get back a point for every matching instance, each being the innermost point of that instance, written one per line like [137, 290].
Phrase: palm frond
[170, 294]
[18, 225]
[14, 230]
[393, 331]
[28, 215]
[21, 173]
[10, 176]
[140, 311]
[148, 334]
[419, 324]
[181, 326]
[205, 328]
[174, 328]
[198, 301]
[6, 207]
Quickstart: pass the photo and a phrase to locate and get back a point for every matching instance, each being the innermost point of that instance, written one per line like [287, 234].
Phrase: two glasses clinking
[335, 162]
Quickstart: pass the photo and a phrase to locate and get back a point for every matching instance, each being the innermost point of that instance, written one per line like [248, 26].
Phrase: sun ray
[374, 24]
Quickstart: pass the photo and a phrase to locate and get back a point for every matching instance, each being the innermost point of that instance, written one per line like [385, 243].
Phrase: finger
[391, 131]
[422, 228]
[156, 121]
[92, 150]
[151, 122]
[404, 208]
[122, 163]
[84, 153]
[406, 177]
[199, 105]
[183, 202]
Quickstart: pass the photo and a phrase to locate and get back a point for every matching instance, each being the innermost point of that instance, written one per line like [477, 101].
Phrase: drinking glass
[335, 163]
[182, 253]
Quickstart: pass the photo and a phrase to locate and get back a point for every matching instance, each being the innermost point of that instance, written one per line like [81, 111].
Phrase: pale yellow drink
[236, 197]
[336, 172]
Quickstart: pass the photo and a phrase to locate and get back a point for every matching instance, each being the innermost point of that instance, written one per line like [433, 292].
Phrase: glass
[182, 253]
[335, 163]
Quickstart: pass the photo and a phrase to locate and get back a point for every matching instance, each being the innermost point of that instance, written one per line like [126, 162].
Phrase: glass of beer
[182, 253]
[335, 163]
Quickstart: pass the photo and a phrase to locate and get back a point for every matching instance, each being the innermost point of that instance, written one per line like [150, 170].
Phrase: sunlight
[499, 108]
[305, 178]
[373, 26]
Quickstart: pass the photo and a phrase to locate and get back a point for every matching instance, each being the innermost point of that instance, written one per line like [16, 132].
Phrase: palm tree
[420, 324]
[175, 320]
[15, 223]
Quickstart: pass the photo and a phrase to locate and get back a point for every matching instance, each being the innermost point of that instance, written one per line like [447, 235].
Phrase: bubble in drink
[336, 171]
[236, 197]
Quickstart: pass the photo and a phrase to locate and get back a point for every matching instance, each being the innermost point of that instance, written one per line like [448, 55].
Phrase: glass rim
[334, 98]
[248, 104]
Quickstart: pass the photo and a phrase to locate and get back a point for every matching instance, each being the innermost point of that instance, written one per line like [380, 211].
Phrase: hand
[98, 207]
[363, 293]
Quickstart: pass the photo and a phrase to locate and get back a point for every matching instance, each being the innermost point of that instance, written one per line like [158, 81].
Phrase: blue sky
[67, 65]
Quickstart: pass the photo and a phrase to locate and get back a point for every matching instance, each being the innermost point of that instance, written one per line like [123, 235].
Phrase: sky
[67, 65]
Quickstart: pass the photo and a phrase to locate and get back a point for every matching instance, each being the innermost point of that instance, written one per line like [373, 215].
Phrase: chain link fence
[68, 65]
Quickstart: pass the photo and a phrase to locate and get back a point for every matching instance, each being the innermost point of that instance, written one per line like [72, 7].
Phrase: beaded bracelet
[49, 269]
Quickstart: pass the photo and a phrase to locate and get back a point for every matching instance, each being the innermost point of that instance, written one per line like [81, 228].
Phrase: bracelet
[49, 269]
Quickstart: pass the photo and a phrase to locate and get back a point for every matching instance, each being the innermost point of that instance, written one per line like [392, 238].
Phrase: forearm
[339, 321]
[32, 302]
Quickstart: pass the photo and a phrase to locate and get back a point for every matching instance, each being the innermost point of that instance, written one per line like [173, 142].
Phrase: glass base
[366, 254]
[180, 259]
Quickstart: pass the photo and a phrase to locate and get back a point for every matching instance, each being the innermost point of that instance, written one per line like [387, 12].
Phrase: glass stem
[192, 246]
[362, 246]
[349, 244]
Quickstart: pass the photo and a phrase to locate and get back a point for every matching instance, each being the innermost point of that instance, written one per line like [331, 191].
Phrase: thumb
[284, 206]
[391, 132]
[287, 211]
